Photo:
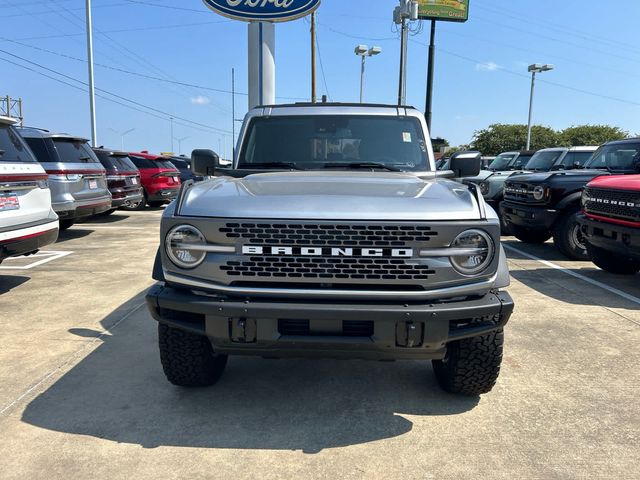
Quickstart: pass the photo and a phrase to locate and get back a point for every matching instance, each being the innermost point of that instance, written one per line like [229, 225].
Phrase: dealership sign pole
[434, 10]
[262, 16]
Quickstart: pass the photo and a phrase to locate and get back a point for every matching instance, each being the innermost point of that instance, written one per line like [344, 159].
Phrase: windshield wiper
[287, 165]
[356, 165]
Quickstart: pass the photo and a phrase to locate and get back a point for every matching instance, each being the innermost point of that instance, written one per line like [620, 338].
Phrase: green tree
[591, 134]
[499, 137]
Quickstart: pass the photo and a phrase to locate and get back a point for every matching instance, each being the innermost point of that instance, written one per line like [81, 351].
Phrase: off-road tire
[529, 236]
[156, 204]
[471, 366]
[612, 263]
[66, 224]
[568, 238]
[188, 360]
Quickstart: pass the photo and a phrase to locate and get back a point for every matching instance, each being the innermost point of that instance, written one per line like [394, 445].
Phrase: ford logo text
[263, 10]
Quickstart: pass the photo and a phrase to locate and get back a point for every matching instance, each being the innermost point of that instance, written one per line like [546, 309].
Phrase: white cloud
[488, 66]
[200, 100]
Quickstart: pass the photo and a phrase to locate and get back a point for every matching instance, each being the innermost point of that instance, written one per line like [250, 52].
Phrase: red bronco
[610, 223]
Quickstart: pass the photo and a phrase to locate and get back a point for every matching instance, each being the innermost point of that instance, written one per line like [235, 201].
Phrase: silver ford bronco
[332, 235]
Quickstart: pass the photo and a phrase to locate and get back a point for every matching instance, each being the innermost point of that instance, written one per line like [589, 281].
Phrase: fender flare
[570, 199]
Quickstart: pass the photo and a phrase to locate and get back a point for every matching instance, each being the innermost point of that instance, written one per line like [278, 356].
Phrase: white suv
[27, 221]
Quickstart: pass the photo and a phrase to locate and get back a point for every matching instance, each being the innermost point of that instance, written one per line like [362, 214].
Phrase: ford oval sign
[263, 10]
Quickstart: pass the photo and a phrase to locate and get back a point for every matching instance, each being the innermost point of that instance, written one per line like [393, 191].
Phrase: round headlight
[538, 192]
[177, 244]
[484, 188]
[479, 254]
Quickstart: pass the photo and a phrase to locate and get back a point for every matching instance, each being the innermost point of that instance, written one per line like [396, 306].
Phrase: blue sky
[480, 76]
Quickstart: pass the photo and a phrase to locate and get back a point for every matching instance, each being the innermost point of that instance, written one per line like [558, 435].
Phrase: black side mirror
[577, 165]
[204, 162]
[466, 164]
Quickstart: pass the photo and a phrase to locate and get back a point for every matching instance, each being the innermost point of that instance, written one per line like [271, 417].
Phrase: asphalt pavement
[82, 393]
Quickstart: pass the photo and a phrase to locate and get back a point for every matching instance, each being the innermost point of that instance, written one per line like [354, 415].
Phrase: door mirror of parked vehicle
[204, 162]
[466, 164]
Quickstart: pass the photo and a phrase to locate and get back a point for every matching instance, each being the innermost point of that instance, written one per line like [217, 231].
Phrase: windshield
[12, 147]
[521, 161]
[74, 151]
[502, 161]
[334, 141]
[120, 163]
[543, 161]
[621, 157]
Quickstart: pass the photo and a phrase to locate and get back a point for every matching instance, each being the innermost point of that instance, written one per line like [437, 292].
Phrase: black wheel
[505, 228]
[612, 263]
[66, 224]
[529, 236]
[188, 360]
[156, 204]
[471, 366]
[568, 237]
[108, 212]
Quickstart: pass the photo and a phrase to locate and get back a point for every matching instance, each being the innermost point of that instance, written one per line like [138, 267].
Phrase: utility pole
[408, 10]
[92, 89]
[313, 58]
[12, 108]
[171, 120]
[233, 111]
[430, 71]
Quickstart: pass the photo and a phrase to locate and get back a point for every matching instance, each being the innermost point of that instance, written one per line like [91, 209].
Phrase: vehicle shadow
[119, 393]
[551, 282]
[74, 233]
[9, 282]
[115, 217]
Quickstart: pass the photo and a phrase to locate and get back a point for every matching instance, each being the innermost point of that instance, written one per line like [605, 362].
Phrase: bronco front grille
[518, 192]
[619, 204]
[334, 235]
[328, 268]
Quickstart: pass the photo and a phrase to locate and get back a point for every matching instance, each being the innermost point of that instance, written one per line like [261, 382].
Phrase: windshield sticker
[406, 137]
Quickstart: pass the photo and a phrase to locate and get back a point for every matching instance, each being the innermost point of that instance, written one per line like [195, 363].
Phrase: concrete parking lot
[83, 394]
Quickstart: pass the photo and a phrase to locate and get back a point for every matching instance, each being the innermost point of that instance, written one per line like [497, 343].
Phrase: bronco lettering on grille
[328, 252]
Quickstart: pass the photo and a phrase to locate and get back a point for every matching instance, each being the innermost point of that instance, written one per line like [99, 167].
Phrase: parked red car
[160, 179]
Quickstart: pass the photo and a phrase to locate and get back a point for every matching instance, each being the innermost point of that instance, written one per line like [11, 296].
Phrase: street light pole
[533, 69]
[364, 51]
[92, 90]
[171, 120]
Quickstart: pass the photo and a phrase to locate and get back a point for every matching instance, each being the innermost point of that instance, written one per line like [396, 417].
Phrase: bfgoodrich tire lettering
[612, 263]
[188, 360]
[471, 366]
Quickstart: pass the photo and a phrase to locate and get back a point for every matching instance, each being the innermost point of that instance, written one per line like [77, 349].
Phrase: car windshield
[620, 157]
[521, 161]
[120, 163]
[543, 161]
[74, 151]
[502, 161]
[12, 147]
[335, 141]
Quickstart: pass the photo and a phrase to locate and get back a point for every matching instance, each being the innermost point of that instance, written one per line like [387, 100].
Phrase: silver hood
[331, 195]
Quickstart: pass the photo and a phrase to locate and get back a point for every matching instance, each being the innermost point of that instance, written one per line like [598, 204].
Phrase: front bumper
[618, 239]
[529, 217]
[369, 330]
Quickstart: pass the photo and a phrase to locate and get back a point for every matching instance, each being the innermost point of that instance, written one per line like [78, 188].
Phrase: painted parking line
[36, 260]
[584, 278]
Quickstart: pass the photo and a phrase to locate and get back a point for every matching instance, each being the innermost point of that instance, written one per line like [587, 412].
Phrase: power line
[153, 109]
[150, 4]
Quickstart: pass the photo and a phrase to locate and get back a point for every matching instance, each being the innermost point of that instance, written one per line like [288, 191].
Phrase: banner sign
[263, 10]
[448, 10]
